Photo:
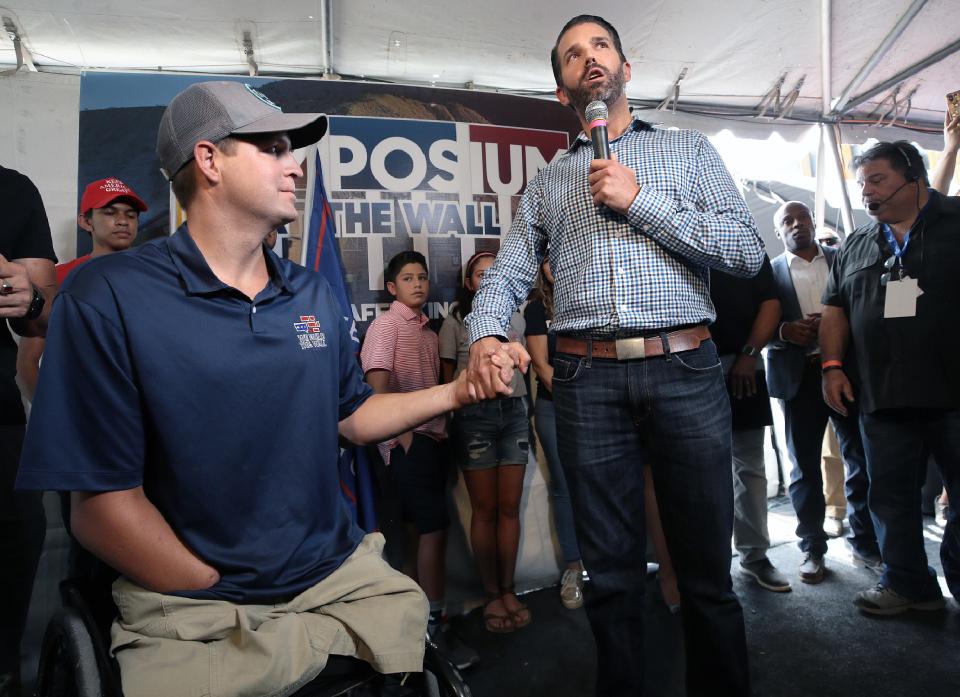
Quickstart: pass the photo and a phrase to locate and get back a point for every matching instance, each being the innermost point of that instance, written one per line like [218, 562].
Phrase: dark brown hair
[582, 19]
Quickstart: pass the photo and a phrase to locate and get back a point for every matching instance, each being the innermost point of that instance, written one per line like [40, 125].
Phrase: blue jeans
[673, 411]
[546, 425]
[804, 419]
[491, 433]
[897, 442]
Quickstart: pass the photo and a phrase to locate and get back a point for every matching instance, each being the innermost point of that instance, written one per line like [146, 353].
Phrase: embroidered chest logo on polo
[309, 334]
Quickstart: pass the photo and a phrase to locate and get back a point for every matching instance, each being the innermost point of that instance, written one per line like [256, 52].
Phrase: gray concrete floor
[811, 641]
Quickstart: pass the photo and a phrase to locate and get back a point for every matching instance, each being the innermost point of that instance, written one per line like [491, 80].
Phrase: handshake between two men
[490, 370]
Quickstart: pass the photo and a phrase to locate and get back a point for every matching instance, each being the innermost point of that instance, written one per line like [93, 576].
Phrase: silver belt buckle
[631, 349]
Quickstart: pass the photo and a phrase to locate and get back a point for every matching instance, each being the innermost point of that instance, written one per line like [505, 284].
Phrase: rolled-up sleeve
[506, 284]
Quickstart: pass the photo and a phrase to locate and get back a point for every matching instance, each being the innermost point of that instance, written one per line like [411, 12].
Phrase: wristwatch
[751, 351]
[36, 305]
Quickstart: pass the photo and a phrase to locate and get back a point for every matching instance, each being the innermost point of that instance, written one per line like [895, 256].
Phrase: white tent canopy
[876, 69]
[732, 53]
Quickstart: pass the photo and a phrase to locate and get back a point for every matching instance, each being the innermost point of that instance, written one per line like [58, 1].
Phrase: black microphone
[874, 206]
[596, 116]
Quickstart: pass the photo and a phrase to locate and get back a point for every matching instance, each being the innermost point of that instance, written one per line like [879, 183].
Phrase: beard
[608, 92]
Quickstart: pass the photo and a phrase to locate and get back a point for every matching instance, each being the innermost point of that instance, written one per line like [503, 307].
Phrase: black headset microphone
[910, 175]
[874, 206]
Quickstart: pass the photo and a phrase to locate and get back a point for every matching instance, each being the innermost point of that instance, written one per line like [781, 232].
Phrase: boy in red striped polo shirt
[400, 354]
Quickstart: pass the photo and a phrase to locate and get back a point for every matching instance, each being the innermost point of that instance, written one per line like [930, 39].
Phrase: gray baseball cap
[214, 110]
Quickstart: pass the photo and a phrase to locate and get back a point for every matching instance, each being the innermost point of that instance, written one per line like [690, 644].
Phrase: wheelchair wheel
[68, 664]
[440, 677]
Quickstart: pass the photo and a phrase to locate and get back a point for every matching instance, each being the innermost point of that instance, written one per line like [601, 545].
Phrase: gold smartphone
[953, 104]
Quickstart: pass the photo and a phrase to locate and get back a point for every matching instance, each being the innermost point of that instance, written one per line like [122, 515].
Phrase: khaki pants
[833, 476]
[169, 646]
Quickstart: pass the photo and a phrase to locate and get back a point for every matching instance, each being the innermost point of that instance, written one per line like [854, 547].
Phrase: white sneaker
[940, 512]
[881, 600]
[833, 527]
[571, 589]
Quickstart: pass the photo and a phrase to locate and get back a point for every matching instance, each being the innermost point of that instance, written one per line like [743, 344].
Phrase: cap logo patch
[114, 186]
[261, 96]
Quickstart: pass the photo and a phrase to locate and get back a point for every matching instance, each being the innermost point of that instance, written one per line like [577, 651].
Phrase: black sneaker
[458, 653]
[765, 573]
[9, 686]
[871, 562]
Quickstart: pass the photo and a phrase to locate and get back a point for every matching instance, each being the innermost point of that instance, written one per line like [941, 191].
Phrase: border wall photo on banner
[436, 170]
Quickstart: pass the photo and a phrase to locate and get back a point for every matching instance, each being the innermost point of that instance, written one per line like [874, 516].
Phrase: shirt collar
[637, 124]
[791, 256]
[408, 313]
[197, 276]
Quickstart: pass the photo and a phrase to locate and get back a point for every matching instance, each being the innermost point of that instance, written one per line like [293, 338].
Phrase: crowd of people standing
[658, 333]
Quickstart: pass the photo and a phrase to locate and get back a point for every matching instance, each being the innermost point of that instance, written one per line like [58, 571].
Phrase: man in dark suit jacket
[793, 377]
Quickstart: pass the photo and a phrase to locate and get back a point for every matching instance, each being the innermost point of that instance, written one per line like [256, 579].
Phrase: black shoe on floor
[766, 574]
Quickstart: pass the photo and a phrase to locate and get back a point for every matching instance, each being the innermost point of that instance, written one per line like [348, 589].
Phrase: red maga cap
[99, 193]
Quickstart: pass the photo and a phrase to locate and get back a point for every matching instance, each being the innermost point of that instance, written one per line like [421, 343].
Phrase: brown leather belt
[636, 347]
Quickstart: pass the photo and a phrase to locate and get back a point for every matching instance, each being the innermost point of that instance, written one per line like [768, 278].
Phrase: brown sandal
[505, 623]
[521, 616]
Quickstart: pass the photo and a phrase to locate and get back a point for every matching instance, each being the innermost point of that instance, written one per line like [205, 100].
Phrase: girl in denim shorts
[490, 441]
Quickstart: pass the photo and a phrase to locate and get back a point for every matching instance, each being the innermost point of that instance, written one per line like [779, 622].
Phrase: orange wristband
[831, 364]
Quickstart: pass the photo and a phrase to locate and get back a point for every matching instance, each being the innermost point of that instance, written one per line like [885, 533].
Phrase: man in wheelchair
[191, 398]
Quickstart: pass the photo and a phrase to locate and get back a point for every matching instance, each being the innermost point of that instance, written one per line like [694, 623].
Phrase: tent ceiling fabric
[734, 50]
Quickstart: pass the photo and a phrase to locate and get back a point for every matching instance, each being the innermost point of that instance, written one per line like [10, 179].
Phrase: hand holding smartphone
[953, 104]
[951, 125]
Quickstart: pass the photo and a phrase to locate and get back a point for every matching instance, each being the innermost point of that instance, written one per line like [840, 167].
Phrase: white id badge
[901, 298]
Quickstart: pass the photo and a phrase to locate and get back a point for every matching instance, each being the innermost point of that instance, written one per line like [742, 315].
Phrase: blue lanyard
[897, 250]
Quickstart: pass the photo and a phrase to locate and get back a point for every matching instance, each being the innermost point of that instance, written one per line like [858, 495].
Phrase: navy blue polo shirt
[156, 373]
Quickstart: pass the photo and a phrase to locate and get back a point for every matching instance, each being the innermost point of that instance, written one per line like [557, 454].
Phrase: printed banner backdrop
[435, 170]
[323, 256]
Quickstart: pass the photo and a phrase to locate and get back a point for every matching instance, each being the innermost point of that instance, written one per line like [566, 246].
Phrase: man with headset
[890, 293]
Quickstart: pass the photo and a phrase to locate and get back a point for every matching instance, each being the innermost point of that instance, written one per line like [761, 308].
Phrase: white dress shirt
[809, 281]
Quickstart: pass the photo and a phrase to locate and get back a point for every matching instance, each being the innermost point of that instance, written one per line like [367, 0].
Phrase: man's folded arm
[126, 531]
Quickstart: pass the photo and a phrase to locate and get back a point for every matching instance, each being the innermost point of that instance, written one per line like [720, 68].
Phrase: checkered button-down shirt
[622, 275]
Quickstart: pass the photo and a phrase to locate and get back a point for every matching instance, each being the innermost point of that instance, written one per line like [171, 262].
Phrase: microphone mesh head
[596, 110]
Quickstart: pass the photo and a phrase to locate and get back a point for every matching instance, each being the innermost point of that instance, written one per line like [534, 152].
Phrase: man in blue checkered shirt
[636, 378]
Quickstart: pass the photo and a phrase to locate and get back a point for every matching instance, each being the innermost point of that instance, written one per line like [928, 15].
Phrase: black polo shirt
[907, 361]
[158, 374]
[737, 301]
[24, 234]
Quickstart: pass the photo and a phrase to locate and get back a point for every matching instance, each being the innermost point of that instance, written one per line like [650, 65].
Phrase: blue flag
[323, 256]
